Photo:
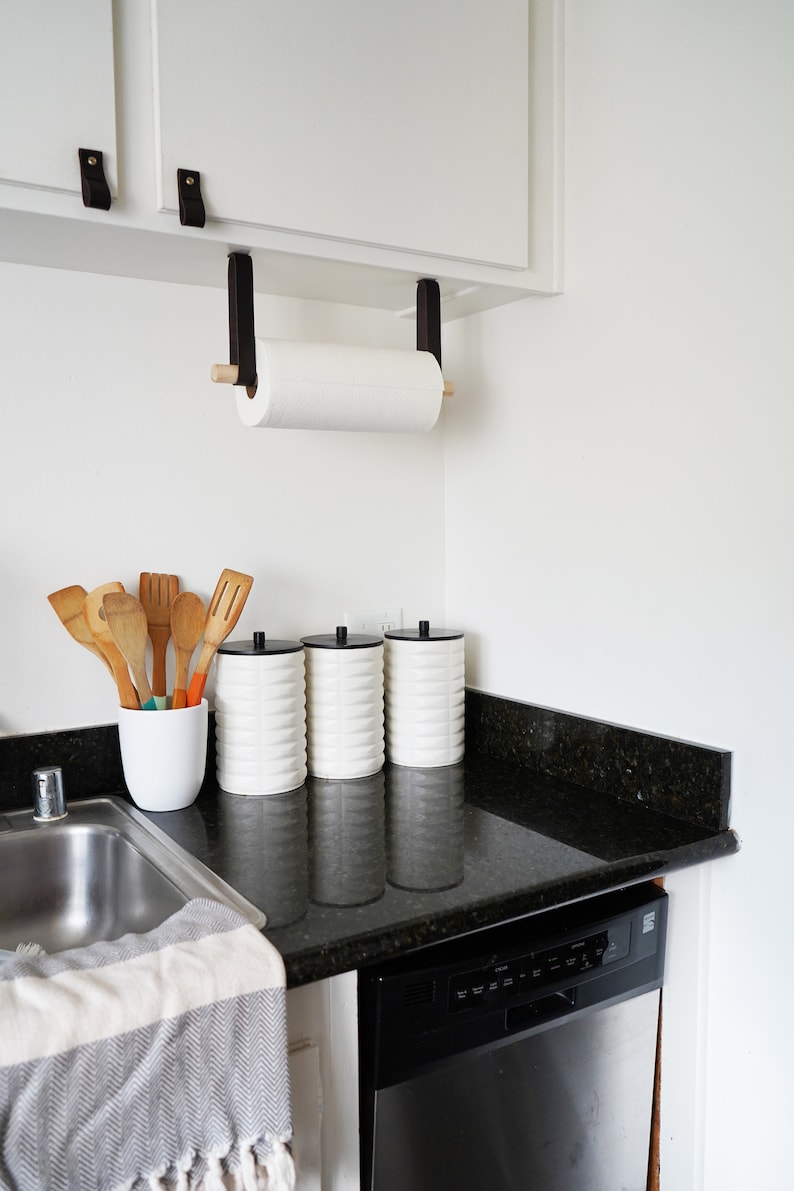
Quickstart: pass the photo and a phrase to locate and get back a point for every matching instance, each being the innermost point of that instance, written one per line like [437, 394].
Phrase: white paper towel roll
[330, 386]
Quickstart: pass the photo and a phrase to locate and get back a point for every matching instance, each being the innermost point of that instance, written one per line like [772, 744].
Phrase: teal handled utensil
[126, 618]
[157, 594]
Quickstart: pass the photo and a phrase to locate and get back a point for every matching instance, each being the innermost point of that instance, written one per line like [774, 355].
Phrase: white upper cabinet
[57, 92]
[351, 146]
[400, 125]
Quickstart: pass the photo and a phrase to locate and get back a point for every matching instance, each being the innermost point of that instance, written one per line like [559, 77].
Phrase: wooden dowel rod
[226, 374]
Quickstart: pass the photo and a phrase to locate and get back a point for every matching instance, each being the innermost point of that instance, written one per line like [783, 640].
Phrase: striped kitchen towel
[156, 1060]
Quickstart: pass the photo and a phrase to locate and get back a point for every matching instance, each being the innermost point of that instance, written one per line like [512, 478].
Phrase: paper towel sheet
[331, 386]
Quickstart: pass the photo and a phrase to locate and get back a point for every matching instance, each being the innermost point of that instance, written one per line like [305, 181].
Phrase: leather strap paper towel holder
[241, 369]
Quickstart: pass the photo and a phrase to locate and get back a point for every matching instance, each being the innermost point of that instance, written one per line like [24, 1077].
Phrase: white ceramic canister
[344, 704]
[260, 716]
[425, 694]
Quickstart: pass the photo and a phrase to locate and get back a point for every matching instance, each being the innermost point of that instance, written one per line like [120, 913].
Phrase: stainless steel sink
[101, 872]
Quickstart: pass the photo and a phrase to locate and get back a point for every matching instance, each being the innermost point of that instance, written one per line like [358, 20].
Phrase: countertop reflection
[353, 872]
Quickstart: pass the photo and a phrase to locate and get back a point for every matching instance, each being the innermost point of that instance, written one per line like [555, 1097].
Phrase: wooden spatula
[126, 619]
[227, 603]
[100, 631]
[187, 625]
[68, 605]
[157, 594]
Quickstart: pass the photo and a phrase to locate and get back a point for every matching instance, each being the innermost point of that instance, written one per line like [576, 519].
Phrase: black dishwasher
[520, 1057]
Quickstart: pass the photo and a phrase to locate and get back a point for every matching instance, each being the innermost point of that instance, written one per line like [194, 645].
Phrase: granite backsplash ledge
[689, 781]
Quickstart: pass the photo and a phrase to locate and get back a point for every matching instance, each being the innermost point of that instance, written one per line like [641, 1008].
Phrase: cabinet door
[57, 91]
[306, 1090]
[401, 124]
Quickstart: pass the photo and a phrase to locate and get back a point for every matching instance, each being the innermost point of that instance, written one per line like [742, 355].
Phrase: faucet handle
[49, 800]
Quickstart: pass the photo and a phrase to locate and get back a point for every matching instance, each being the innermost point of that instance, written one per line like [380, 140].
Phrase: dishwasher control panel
[538, 969]
[516, 978]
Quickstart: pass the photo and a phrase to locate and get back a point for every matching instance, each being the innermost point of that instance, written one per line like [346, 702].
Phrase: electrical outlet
[375, 621]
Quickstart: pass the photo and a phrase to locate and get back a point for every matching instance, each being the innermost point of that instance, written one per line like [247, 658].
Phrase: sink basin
[101, 872]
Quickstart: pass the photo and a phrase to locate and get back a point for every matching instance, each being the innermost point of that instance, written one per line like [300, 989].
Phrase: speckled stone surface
[676, 777]
[350, 873]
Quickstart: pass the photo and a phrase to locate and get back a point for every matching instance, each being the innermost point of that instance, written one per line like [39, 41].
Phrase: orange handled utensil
[227, 603]
[187, 624]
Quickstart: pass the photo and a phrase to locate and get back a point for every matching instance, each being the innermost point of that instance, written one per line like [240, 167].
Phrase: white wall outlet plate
[375, 621]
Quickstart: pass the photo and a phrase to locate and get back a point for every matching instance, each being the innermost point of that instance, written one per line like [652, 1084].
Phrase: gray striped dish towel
[155, 1061]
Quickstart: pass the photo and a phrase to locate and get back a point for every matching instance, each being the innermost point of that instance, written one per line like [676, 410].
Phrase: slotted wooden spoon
[68, 606]
[126, 619]
[157, 594]
[227, 603]
[187, 624]
[100, 631]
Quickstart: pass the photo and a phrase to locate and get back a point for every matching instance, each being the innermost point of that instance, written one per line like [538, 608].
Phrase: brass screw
[189, 181]
[92, 160]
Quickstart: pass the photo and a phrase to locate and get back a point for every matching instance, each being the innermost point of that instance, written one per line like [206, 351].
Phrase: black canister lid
[341, 639]
[424, 633]
[259, 646]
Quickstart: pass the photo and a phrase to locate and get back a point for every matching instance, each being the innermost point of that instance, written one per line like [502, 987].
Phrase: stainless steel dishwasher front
[518, 1058]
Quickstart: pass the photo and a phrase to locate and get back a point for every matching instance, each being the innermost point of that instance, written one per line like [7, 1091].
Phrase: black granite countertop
[352, 872]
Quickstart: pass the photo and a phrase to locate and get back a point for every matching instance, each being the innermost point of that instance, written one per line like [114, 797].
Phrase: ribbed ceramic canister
[424, 828]
[260, 716]
[425, 695]
[347, 856]
[344, 704]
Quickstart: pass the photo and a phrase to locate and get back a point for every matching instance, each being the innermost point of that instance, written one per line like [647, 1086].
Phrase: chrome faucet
[49, 800]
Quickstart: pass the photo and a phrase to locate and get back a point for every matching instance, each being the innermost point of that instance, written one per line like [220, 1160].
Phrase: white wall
[618, 495]
[619, 500]
[118, 455]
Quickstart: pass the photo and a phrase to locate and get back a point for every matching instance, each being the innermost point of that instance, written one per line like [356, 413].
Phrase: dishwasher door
[526, 1064]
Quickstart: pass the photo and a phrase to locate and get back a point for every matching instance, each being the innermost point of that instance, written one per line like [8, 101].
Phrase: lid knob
[341, 634]
[424, 628]
[259, 639]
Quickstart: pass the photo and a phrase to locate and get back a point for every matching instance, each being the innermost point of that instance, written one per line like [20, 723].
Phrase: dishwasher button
[598, 945]
[554, 961]
[573, 963]
[619, 943]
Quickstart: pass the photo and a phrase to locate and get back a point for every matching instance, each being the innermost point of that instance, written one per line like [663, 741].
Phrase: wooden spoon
[187, 625]
[157, 594]
[100, 631]
[224, 611]
[129, 628]
[68, 605]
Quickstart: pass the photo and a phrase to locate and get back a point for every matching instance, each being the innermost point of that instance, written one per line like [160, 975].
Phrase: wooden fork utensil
[157, 594]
